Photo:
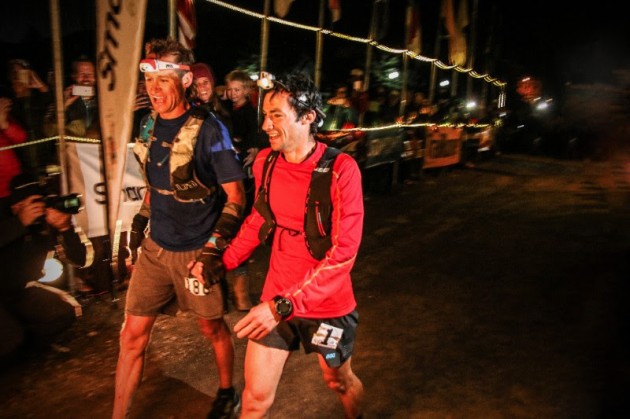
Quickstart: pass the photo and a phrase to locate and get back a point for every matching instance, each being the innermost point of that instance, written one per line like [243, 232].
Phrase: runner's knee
[214, 329]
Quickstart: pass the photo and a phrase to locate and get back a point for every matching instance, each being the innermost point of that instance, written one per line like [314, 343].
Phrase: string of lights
[434, 61]
[359, 129]
[53, 138]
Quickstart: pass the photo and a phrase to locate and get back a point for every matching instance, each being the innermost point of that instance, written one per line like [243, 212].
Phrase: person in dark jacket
[203, 94]
[33, 314]
[248, 140]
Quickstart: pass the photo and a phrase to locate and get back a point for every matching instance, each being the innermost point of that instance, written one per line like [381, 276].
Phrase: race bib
[195, 287]
[327, 336]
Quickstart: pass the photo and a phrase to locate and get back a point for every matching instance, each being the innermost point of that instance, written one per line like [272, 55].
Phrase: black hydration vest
[185, 185]
[317, 223]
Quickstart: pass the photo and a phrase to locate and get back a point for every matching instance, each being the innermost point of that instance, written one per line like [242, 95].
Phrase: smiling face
[286, 131]
[204, 89]
[85, 74]
[167, 90]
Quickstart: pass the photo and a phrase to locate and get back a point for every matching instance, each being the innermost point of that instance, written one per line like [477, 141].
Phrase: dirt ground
[494, 291]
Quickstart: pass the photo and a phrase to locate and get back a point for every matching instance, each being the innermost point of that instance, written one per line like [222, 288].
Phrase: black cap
[24, 185]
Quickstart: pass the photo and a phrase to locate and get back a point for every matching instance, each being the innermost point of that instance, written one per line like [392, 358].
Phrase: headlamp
[150, 65]
[267, 81]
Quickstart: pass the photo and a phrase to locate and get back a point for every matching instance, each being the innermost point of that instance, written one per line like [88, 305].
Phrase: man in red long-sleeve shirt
[304, 299]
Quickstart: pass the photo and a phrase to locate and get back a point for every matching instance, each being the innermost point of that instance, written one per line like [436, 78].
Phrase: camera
[70, 204]
[78, 90]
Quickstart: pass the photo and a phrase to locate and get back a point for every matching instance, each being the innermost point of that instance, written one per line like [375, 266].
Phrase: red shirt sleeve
[246, 241]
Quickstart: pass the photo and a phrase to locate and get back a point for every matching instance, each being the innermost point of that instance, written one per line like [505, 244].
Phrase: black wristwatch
[284, 306]
[219, 242]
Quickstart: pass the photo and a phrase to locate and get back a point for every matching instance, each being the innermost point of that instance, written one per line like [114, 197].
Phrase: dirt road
[498, 291]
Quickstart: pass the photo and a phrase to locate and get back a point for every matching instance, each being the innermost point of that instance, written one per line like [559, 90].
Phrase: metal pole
[454, 80]
[55, 25]
[436, 54]
[403, 91]
[58, 69]
[368, 56]
[405, 73]
[487, 55]
[264, 45]
[264, 37]
[368, 53]
[319, 47]
[471, 48]
[172, 19]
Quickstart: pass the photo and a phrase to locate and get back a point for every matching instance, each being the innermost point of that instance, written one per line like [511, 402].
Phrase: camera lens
[70, 204]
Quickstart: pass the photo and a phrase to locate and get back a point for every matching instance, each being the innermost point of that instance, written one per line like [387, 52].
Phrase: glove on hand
[138, 225]
[213, 268]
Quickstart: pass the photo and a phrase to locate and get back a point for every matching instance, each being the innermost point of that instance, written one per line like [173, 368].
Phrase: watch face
[284, 307]
[219, 242]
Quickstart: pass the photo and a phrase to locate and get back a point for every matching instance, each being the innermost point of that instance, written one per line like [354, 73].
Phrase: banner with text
[86, 178]
[120, 32]
[443, 147]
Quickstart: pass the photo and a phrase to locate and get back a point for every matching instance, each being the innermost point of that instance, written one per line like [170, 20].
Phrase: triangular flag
[457, 40]
[281, 7]
[335, 10]
[187, 20]
[462, 15]
[414, 40]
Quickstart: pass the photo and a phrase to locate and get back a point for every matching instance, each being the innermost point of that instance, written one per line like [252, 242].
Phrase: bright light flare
[53, 269]
[542, 106]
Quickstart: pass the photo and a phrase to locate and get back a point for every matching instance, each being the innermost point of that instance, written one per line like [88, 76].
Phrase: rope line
[72, 139]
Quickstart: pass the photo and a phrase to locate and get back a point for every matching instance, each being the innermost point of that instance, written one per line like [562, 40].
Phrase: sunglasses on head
[150, 65]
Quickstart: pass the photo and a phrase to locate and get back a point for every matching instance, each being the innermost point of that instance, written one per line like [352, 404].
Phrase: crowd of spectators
[28, 113]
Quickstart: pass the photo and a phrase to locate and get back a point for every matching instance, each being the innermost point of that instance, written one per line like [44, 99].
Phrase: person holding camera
[82, 120]
[80, 103]
[33, 314]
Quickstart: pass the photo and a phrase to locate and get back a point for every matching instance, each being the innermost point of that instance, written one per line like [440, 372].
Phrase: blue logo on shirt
[331, 356]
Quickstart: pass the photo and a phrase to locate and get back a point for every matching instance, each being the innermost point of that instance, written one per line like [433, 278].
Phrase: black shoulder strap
[317, 222]
[328, 159]
[265, 180]
[318, 207]
[319, 189]
[199, 112]
[261, 203]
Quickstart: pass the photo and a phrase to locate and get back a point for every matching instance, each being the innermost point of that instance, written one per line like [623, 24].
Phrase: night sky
[554, 40]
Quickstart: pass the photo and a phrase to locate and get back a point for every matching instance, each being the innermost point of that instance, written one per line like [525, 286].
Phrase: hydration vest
[185, 185]
[317, 223]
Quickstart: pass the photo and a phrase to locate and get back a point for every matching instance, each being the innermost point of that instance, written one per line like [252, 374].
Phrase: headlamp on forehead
[150, 65]
[267, 81]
